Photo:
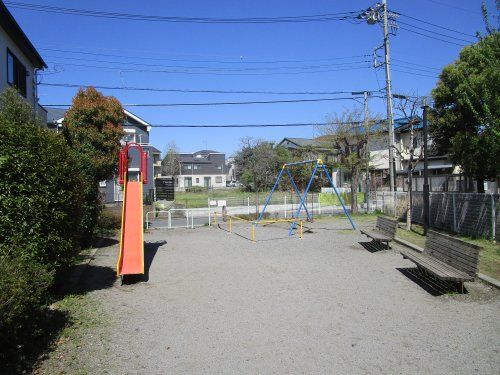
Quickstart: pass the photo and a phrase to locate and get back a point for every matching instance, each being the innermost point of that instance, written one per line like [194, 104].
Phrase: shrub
[40, 205]
[22, 301]
[196, 189]
[93, 129]
[40, 196]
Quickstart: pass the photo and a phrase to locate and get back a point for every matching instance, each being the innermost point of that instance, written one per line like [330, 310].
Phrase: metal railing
[178, 218]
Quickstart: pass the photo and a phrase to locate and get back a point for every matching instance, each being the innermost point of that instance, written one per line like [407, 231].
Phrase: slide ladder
[131, 257]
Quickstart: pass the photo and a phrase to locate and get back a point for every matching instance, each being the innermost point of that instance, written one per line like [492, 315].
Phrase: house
[301, 144]
[439, 165]
[315, 148]
[204, 168]
[19, 61]
[136, 130]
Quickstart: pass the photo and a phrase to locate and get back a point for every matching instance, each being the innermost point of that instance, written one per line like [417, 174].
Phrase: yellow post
[230, 225]
[253, 232]
[300, 236]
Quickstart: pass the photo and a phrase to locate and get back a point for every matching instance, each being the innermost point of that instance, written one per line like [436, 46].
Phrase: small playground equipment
[228, 222]
[131, 257]
[317, 166]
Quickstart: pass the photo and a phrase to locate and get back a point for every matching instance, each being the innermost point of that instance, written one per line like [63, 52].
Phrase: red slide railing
[123, 158]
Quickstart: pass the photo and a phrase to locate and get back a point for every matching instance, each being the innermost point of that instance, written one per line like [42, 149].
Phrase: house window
[196, 166]
[16, 73]
[197, 180]
[218, 179]
[188, 182]
[102, 184]
[219, 167]
[187, 166]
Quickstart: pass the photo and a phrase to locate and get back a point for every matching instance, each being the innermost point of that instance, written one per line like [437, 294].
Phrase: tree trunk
[354, 190]
[480, 184]
[408, 200]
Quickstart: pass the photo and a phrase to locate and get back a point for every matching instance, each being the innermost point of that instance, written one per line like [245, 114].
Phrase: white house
[19, 60]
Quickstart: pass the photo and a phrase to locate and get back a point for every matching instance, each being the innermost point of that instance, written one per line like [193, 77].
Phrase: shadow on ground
[150, 250]
[373, 246]
[94, 278]
[105, 242]
[430, 284]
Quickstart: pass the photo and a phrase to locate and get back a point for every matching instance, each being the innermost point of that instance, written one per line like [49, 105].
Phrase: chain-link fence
[471, 214]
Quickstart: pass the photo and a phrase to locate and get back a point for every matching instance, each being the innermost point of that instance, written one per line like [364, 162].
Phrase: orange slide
[131, 258]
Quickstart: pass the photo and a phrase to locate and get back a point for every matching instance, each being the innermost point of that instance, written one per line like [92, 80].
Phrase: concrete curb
[483, 277]
[489, 280]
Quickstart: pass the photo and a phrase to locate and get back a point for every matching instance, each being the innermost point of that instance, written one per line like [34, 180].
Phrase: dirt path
[217, 303]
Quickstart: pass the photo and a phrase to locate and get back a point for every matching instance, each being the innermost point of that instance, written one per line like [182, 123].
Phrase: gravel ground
[215, 302]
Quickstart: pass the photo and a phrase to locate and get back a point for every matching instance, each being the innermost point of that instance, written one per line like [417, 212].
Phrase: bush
[93, 129]
[40, 198]
[23, 298]
[108, 223]
[196, 189]
[40, 205]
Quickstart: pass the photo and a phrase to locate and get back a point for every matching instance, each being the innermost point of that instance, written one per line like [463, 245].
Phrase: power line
[436, 33]
[151, 89]
[242, 125]
[211, 72]
[415, 68]
[453, 6]
[223, 103]
[413, 73]
[205, 20]
[432, 37]
[255, 125]
[421, 65]
[436, 25]
[240, 61]
[211, 68]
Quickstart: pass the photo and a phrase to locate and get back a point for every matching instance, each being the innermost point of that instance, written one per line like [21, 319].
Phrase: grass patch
[83, 315]
[489, 261]
[331, 199]
[200, 199]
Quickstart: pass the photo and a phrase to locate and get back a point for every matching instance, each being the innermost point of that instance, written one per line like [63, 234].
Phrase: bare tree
[170, 165]
[408, 107]
[348, 134]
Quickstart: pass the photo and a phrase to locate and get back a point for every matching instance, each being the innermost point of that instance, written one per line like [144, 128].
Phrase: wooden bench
[447, 258]
[384, 231]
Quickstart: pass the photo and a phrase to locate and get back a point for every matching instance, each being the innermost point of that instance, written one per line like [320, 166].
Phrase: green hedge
[40, 205]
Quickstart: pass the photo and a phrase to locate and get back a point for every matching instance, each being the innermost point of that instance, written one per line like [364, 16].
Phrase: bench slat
[435, 266]
[376, 235]
[454, 252]
[433, 247]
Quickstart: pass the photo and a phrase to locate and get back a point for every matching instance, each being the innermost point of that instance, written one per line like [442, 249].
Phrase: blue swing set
[318, 165]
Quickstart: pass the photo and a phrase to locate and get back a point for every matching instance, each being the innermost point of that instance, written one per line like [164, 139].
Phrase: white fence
[178, 218]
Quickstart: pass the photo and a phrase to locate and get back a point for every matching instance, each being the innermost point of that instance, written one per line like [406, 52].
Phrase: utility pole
[379, 13]
[388, 88]
[426, 172]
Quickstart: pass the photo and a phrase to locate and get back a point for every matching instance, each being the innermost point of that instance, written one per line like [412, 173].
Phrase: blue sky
[245, 46]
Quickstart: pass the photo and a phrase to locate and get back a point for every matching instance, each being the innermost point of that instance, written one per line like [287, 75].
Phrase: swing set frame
[286, 168]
